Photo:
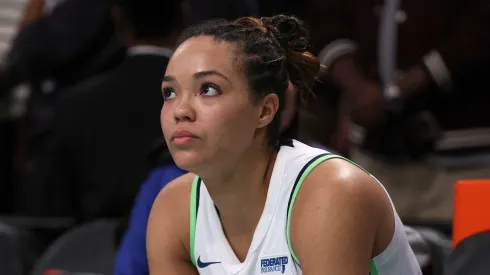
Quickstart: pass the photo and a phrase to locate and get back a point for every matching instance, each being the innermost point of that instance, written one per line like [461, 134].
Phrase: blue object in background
[131, 256]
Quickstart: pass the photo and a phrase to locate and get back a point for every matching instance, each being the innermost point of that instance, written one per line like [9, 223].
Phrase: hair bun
[289, 31]
[292, 35]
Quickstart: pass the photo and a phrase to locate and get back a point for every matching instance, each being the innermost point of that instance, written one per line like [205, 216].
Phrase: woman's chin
[187, 161]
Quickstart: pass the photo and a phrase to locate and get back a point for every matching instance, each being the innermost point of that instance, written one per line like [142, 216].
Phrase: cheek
[165, 119]
[232, 124]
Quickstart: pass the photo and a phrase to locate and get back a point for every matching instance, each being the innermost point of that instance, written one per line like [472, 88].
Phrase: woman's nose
[184, 110]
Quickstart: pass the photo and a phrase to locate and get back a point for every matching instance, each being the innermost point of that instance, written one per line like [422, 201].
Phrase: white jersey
[270, 251]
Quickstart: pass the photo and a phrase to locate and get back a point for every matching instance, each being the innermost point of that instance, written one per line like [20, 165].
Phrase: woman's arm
[341, 218]
[167, 239]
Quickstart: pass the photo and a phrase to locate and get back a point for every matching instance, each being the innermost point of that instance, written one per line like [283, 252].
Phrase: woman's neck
[240, 192]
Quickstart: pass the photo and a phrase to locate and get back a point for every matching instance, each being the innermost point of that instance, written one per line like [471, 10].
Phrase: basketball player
[255, 203]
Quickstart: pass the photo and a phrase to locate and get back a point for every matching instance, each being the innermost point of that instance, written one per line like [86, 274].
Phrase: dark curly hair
[273, 51]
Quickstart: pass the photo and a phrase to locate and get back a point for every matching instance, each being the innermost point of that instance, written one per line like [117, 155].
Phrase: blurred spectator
[54, 40]
[414, 77]
[108, 125]
[59, 44]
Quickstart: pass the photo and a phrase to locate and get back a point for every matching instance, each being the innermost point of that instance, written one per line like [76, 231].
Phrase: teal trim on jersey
[372, 268]
[372, 265]
[193, 218]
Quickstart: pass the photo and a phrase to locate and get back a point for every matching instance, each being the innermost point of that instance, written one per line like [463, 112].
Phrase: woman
[131, 255]
[254, 203]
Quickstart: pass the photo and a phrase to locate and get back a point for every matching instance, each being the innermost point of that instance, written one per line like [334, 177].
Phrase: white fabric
[269, 252]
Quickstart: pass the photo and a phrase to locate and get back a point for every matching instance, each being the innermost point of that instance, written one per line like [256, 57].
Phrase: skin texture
[206, 94]
[221, 114]
[347, 217]
[167, 241]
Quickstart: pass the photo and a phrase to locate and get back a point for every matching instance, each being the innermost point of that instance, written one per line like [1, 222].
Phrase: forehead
[203, 53]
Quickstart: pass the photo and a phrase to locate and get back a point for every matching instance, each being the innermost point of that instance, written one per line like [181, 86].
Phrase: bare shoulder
[172, 204]
[340, 205]
[176, 194]
[342, 187]
[168, 228]
[340, 179]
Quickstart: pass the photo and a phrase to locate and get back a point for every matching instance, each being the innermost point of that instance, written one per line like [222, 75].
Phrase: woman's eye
[209, 89]
[168, 93]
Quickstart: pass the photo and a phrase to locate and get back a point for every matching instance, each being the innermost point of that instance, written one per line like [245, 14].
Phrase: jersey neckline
[227, 255]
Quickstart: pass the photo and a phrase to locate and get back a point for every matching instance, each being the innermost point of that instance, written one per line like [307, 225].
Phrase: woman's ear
[269, 106]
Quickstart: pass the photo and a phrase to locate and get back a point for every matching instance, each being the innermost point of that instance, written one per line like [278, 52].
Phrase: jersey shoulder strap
[194, 207]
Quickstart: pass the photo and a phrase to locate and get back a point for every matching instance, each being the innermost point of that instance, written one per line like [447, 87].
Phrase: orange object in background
[471, 208]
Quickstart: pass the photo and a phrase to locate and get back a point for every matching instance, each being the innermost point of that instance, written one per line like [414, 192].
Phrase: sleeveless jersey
[270, 251]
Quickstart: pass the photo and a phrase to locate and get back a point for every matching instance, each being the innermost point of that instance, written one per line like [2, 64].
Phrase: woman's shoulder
[169, 225]
[173, 201]
[344, 206]
[345, 180]
[338, 182]
[176, 193]
[171, 208]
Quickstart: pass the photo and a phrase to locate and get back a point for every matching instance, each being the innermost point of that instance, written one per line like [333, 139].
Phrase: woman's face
[209, 116]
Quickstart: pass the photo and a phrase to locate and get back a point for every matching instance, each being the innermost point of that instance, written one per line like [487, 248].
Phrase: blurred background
[404, 93]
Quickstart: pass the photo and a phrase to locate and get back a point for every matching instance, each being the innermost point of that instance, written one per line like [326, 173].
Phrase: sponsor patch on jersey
[273, 264]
